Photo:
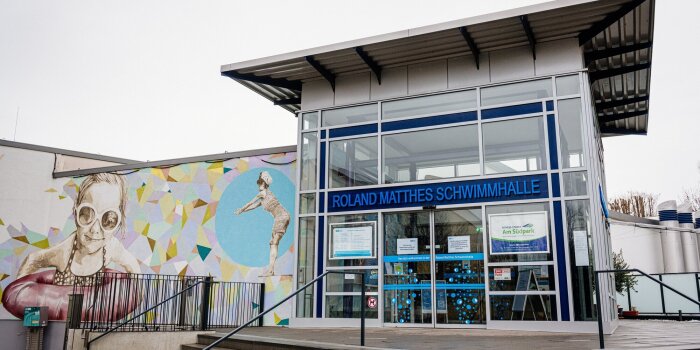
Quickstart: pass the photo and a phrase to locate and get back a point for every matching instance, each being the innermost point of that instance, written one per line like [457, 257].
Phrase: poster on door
[352, 241]
[518, 233]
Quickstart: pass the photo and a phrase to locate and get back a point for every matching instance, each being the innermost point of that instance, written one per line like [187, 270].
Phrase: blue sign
[461, 192]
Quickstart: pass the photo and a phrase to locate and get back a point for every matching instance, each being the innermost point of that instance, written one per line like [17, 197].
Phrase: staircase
[251, 342]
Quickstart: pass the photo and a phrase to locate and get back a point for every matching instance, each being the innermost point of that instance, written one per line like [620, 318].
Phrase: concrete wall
[453, 73]
[13, 335]
[641, 246]
[133, 340]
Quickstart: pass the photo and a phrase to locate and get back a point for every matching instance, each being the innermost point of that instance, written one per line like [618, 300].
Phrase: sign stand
[524, 281]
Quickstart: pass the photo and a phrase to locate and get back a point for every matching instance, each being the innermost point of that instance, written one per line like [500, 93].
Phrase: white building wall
[641, 246]
[458, 72]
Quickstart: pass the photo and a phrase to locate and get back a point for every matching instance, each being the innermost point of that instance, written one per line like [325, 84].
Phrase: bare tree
[641, 204]
[692, 196]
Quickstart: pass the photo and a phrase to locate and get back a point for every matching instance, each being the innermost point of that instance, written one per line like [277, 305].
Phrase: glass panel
[353, 162]
[521, 208]
[346, 219]
[424, 155]
[684, 283]
[309, 121]
[524, 307]
[459, 267]
[575, 183]
[570, 139]
[308, 161]
[430, 105]
[348, 306]
[647, 295]
[305, 263]
[407, 279]
[581, 259]
[350, 115]
[567, 85]
[528, 90]
[515, 278]
[307, 203]
[514, 145]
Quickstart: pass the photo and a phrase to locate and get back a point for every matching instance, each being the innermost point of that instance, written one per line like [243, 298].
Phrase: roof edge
[488, 17]
[176, 161]
[65, 152]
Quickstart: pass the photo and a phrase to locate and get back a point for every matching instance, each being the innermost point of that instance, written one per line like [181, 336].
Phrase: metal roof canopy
[616, 36]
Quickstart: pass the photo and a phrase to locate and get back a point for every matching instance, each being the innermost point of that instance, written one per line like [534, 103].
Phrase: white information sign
[458, 244]
[581, 248]
[405, 246]
[519, 233]
[352, 242]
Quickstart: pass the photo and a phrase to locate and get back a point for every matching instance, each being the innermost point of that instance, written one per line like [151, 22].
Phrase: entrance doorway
[434, 268]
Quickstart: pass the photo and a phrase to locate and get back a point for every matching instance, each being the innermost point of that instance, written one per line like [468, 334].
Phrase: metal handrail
[601, 338]
[147, 310]
[362, 308]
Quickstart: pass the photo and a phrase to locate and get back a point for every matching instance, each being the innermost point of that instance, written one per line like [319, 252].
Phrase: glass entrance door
[434, 268]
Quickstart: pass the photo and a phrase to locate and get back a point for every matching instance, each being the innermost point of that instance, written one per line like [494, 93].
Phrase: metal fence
[141, 302]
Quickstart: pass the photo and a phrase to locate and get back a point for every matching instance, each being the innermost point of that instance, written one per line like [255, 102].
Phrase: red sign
[372, 302]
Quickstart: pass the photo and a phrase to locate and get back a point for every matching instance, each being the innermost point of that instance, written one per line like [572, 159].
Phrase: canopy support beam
[606, 22]
[370, 63]
[330, 77]
[530, 35]
[472, 45]
[283, 83]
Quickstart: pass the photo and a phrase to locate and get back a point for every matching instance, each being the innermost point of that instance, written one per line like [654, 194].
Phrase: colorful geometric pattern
[169, 224]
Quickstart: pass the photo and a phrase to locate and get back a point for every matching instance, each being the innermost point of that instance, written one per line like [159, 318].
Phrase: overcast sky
[140, 79]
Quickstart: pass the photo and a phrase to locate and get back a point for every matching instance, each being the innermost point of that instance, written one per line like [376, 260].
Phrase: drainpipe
[688, 238]
[671, 238]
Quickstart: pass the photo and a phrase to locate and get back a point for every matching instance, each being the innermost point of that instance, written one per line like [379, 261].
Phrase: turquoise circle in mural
[246, 237]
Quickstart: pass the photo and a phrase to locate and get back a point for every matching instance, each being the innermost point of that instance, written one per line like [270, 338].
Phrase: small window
[575, 183]
[307, 203]
[430, 105]
[525, 91]
[514, 146]
[353, 162]
[570, 139]
[567, 85]
[350, 115]
[309, 141]
[309, 121]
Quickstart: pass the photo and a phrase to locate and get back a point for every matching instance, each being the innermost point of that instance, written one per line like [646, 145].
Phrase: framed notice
[519, 233]
[581, 248]
[352, 241]
[458, 244]
[406, 246]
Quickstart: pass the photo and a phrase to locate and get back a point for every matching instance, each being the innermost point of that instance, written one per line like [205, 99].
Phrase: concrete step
[252, 342]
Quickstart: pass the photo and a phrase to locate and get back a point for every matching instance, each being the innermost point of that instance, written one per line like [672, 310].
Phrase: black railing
[601, 337]
[666, 309]
[259, 317]
[121, 302]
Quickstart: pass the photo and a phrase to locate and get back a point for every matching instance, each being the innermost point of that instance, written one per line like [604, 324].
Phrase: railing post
[599, 316]
[261, 303]
[204, 305]
[362, 311]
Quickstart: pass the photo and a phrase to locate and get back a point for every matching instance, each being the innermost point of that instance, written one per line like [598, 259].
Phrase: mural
[189, 219]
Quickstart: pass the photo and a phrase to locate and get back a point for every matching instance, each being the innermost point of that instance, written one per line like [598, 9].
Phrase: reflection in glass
[506, 278]
[523, 307]
[349, 115]
[430, 105]
[575, 183]
[459, 267]
[514, 146]
[509, 93]
[309, 121]
[425, 155]
[305, 263]
[570, 138]
[353, 162]
[407, 284]
[307, 203]
[309, 158]
[581, 258]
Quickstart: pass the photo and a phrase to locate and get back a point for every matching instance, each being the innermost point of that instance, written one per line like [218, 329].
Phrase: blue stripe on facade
[552, 134]
[323, 134]
[438, 286]
[561, 262]
[555, 185]
[321, 202]
[438, 257]
[429, 121]
[550, 106]
[685, 218]
[697, 223]
[511, 110]
[442, 193]
[322, 164]
[352, 130]
[319, 267]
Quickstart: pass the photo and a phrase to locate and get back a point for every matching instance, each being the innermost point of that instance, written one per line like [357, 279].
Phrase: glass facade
[432, 186]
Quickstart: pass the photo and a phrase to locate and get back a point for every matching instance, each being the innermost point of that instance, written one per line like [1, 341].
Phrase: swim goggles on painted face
[87, 215]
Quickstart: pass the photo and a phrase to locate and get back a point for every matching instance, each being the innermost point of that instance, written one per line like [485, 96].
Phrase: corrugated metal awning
[616, 36]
